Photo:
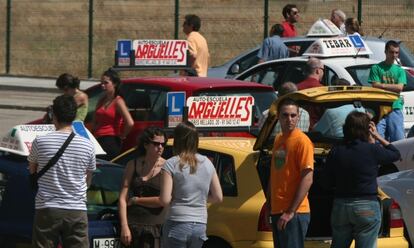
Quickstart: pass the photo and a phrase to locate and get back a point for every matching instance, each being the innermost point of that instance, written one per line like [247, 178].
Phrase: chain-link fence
[48, 37]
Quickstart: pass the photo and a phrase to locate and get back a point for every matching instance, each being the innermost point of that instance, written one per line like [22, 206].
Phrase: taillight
[263, 224]
[396, 219]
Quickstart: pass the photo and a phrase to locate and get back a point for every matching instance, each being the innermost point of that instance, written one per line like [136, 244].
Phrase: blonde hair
[186, 145]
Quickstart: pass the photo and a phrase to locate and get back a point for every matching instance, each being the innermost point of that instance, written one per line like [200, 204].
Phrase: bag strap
[55, 158]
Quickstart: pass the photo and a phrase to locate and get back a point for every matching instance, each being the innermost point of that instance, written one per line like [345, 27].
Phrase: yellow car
[239, 221]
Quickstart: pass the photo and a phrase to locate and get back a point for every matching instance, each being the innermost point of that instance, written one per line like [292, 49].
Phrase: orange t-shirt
[291, 154]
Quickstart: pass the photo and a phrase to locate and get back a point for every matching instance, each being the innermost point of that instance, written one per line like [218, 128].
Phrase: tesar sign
[223, 111]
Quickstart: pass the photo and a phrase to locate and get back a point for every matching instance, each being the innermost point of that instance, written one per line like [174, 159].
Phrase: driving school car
[249, 58]
[343, 57]
[17, 198]
[320, 199]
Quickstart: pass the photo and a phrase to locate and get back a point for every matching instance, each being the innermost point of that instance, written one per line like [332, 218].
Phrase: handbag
[33, 178]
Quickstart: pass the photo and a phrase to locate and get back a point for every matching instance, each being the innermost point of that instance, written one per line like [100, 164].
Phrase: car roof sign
[341, 46]
[19, 139]
[151, 54]
[324, 28]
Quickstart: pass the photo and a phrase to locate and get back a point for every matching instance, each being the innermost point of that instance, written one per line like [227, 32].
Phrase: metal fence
[48, 37]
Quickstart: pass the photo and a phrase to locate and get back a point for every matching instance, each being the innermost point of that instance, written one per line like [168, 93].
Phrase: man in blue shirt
[273, 46]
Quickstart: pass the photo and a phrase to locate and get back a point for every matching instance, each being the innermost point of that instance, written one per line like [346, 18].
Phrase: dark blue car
[17, 203]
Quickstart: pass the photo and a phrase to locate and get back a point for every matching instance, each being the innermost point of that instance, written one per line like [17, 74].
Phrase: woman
[141, 215]
[189, 180]
[70, 86]
[352, 170]
[111, 111]
[352, 27]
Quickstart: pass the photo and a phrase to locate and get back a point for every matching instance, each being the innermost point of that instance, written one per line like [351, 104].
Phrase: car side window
[248, 61]
[145, 103]
[104, 188]
[268, 75]
[295, 72]
[225, 169]
[360, 74]
[329, 76]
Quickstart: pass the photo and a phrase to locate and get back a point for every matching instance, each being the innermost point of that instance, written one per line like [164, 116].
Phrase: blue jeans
[294, 234]
[357, 219]
[183, 234]
[391, 127]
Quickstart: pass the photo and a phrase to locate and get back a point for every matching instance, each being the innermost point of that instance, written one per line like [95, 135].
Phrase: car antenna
[380, 37]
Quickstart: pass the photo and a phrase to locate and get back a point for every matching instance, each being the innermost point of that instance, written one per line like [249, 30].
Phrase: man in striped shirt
[61, 198]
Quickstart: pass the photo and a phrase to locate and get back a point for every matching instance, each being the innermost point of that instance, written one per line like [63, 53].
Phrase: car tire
[215, 242]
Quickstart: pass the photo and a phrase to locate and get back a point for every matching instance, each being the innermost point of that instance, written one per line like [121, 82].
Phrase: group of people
[154, 191]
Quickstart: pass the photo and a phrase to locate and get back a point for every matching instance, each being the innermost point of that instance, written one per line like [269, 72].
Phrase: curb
[5, 106]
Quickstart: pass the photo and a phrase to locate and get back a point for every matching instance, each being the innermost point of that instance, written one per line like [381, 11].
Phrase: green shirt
[388, 74]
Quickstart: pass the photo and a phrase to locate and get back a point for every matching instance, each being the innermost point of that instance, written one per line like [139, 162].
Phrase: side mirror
[235, 69]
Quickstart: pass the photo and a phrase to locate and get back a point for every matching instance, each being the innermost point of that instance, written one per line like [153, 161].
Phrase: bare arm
[166, 188]
[89, 178]
[32, 167]
[216, 194]
[126, 116]
[397, 88]
[122, 203]
[304, 186]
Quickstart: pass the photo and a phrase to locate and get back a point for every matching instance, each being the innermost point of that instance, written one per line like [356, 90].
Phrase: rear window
[360, 74]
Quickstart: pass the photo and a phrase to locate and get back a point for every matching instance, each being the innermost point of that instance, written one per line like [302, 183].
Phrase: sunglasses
[155, 143]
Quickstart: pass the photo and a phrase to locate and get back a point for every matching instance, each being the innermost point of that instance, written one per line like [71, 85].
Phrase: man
[61, 198]
[333, 119]
[291, 14]
[273, 47]
[388, 76]
[338, 18]
[198, 48]
[290, 179]
[314, 71]
[303, 122]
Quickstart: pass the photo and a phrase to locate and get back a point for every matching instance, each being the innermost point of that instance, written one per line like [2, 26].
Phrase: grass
[51, 36]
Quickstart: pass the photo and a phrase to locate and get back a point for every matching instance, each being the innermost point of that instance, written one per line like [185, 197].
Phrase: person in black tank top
[140, 211]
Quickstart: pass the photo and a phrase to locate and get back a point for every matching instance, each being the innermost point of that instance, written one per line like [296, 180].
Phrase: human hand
[133, 200]
[373, 130]
[284, 219]
[126, 236]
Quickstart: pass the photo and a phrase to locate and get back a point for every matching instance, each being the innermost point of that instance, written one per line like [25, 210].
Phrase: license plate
[106, 243]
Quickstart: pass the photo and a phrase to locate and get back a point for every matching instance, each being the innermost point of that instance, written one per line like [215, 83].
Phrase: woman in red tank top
[112, 121]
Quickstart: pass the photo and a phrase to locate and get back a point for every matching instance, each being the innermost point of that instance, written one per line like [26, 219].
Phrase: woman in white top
[188, 182]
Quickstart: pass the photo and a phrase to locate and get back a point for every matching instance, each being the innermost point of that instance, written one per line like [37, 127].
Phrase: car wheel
[215, 242]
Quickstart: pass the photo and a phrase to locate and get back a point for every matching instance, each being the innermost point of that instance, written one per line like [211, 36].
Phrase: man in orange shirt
[290, 179]
[199, 55]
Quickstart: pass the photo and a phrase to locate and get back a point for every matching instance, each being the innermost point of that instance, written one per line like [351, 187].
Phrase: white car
[400, 185]
[351, 65]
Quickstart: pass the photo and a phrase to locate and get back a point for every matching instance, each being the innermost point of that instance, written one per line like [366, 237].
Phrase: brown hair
[353, 24]
[356, 126]
[186, 145]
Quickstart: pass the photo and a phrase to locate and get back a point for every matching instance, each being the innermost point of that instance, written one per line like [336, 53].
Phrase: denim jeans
[391, 127]
[294, 234]
[183, 234]
[355, 218]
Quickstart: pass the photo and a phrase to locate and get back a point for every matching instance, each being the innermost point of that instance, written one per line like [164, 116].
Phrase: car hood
[379, 101]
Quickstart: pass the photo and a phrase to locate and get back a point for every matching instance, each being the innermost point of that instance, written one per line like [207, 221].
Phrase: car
[399, 185]
[17, 198]
[379, 101]
[248, 59]
[351, 65]
[146, 99]
[239, 221]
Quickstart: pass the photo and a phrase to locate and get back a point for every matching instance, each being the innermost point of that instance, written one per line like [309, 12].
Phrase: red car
[146, 98]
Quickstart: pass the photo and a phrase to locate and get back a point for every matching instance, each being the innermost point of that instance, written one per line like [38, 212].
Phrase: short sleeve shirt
[289, 29]
[273, 48]
[291, 154]
[389, 74]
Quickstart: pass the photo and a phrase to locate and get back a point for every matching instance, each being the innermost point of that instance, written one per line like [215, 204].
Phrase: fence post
[90, 39]
[266, 19]
[176, 18]
[8, 34]
[360, 11]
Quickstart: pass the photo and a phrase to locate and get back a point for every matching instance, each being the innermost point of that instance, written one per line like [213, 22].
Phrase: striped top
[64, 184]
